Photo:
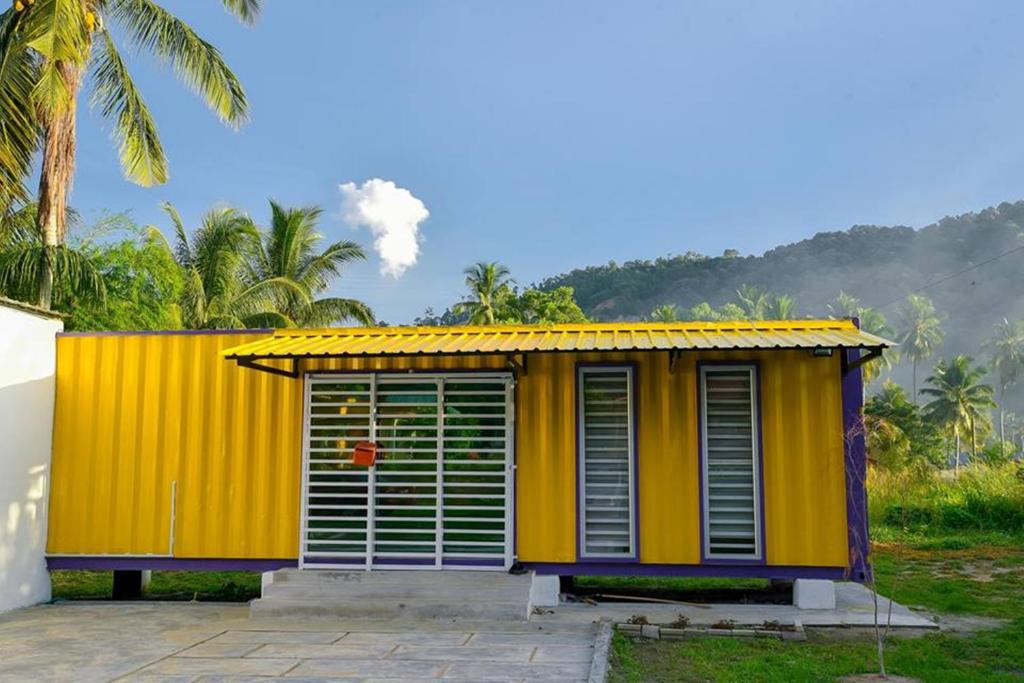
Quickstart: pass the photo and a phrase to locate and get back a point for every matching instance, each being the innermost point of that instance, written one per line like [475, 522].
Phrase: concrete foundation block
[544, 590]
[814, 594]
[266, 579]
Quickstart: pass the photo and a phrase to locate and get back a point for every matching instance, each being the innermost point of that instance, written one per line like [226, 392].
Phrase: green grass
[957, 573]
[995, 656]
[165, 585]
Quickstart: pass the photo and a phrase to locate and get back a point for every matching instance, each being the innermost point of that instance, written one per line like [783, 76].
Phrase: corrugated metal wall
[804, 481]
[136, 412]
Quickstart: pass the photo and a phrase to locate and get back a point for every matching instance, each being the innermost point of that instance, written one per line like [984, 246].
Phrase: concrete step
[376, 608]
[388, 594]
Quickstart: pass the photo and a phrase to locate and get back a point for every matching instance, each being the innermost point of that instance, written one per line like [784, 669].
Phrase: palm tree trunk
[1002, 425]
[56, 172]
[956, 432]
[913, 380]
[974, 443]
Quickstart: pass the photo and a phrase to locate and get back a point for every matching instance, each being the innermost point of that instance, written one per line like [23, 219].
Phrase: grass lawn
[166, 585]
[962, 575]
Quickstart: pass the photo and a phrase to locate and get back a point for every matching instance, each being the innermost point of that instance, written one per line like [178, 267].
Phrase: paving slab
[268, 637]
[211, 649]
[490, 653]
[481, 671]
[207, 643]
[540, 638]
[419, 638]
[311, 651]
[554, 654]
[366, 668]
[235, 666]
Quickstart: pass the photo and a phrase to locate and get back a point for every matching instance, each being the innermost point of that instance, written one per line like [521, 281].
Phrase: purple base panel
[382, 562]
[201, 564]
[749, 571]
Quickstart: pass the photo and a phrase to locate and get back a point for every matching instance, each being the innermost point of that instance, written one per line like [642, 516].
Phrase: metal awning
[364, 342]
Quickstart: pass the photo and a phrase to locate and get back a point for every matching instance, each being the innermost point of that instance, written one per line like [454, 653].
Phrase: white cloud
[392, 214]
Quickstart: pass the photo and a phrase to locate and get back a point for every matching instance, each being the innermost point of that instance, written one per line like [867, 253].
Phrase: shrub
[982, 498]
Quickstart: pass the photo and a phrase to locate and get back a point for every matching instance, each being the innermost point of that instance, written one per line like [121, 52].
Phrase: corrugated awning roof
[501, 339]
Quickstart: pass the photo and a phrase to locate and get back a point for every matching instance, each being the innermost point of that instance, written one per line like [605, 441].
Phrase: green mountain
[879, 265]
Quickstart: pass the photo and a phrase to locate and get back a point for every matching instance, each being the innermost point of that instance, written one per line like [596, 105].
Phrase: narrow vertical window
[730, 462]
[606, 461]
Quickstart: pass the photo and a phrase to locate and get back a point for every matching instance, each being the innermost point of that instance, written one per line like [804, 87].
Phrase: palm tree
[22, 257]
[846, 306]
[959, 399]
[666, 313]
[213, 263]
[489, 284]
[48, 49]
[753, 301]
[288, 251]
[1007, 349]
[921, 332]
[780, 307]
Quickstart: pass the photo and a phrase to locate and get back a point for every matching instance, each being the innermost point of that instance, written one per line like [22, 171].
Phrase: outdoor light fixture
[821, 352]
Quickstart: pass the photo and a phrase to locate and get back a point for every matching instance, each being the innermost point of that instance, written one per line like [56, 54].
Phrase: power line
[950, 277]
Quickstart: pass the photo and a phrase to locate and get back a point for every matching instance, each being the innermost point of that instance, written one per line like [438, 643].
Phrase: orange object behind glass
[365, 454]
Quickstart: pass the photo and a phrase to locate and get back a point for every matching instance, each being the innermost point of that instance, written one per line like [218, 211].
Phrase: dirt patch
[966, 623]
[972, 553]
[862, 678]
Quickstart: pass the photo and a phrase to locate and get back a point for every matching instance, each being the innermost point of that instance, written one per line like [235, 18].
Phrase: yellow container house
[683, 449]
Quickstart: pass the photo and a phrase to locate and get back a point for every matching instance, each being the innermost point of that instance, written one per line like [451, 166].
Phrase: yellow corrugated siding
[804, 480]
[136, 412]
[578, 338]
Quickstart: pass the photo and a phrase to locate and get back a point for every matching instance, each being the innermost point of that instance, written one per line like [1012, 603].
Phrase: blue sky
[550, 135]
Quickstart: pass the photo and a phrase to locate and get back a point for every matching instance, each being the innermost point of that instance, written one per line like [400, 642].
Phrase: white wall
[27, 359]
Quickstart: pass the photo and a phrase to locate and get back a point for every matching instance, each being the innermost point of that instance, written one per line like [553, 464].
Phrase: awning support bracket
[518, 365]
[673, 360]
[283, 372]
[872, 353]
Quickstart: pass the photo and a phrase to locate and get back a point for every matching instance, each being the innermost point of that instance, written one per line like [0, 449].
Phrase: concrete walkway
[193, 642]
[854, 607]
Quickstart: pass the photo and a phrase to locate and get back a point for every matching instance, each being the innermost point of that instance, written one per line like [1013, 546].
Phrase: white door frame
[420, 377]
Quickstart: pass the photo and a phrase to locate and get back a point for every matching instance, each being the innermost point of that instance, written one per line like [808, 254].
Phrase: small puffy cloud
[393, 216]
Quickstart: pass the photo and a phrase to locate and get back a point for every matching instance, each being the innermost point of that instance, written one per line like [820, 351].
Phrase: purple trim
[471, 562]
[383, 562]
[160, 333]
[759, 420]
[855, 460]
[175, 563]
[635, 484]
[743, 571]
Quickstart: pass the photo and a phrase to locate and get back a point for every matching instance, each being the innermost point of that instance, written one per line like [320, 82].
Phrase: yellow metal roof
[405, 341]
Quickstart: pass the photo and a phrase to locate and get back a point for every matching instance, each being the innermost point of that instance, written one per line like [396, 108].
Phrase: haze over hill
[879, 265]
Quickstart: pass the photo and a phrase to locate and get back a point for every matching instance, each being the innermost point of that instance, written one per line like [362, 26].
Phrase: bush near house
[981, 498]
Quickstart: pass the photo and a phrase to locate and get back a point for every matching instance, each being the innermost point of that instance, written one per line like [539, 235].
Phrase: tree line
[50, 50]
[228, 272]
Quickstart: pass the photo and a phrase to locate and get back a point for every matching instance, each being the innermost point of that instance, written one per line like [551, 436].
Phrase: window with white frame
[730, 445]
[606, 461]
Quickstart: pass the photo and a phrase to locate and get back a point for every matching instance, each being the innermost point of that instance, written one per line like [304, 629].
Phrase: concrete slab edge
[602, 648]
